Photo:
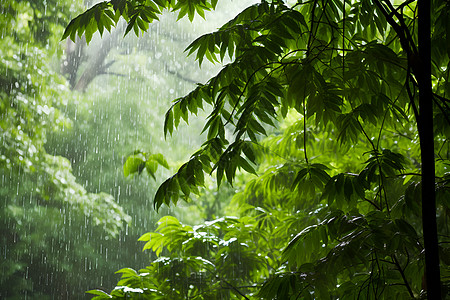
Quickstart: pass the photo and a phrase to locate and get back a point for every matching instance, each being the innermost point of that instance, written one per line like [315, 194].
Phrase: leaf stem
[235, 289]
[402, 273]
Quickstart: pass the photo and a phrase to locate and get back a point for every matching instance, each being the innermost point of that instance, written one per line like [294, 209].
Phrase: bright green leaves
[170, 234]
[134, 164]
[132, 284]
[99, 294]
[204, 261]
[139, 161]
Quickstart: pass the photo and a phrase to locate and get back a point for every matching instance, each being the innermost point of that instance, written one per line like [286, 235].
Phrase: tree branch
[235, 289]
[402, 273]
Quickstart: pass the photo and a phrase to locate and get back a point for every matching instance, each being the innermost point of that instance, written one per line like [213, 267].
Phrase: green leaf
[127, 272]
[134, 164]
[348, 188]
[159, 158]
[151, 167]
[243, 163]
[101, 294]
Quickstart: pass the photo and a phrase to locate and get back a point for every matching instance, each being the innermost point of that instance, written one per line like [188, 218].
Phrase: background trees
[69, 217]
[320, 99]
[41, 203]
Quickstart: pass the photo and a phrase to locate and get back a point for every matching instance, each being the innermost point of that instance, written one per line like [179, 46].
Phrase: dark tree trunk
[425, 127]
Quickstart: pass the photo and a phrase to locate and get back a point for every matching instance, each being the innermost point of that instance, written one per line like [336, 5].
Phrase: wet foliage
[70, 216]
[311, 137]
[320, 101]
[41, 202]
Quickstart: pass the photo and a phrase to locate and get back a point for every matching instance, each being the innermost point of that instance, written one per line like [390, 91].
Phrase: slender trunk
[425, 127]
[74, 54]
[96, 63]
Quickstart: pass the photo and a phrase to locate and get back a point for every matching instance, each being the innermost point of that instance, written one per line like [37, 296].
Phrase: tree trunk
[96, 62]
[425, 128]
[74, 55]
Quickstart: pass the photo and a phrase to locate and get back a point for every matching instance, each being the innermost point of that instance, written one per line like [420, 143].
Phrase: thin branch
[312, 24]
[112, 73]
[373, 203]
[302, 290]
[443, 99]
[402, 273]
[235, 289]
[406, 3]
[304, 128]
[177, 74]
[399, 133]
[442, 110]
[379, 167]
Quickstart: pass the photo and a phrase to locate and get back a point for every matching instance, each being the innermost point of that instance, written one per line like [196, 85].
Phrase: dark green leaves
[137, 14]
[213, 157]
[342, 242]
[98, 17]
[186, 181]
[182, 107]
[309, 179]
[384, 164]
[231, 160]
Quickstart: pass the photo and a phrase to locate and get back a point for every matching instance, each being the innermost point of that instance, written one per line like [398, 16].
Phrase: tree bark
[426, 135]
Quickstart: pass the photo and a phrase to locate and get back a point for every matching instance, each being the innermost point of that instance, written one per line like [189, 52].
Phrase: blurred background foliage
[70, 115]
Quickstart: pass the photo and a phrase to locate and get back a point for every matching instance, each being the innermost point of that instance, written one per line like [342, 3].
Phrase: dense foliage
[320, 100]
[43, 210]
[59, 234]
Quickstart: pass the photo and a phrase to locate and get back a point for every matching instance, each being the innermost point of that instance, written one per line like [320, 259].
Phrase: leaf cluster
[138, 15]
[202, 262]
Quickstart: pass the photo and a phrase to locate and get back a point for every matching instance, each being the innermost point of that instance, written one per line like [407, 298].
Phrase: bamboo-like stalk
[425, 128]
